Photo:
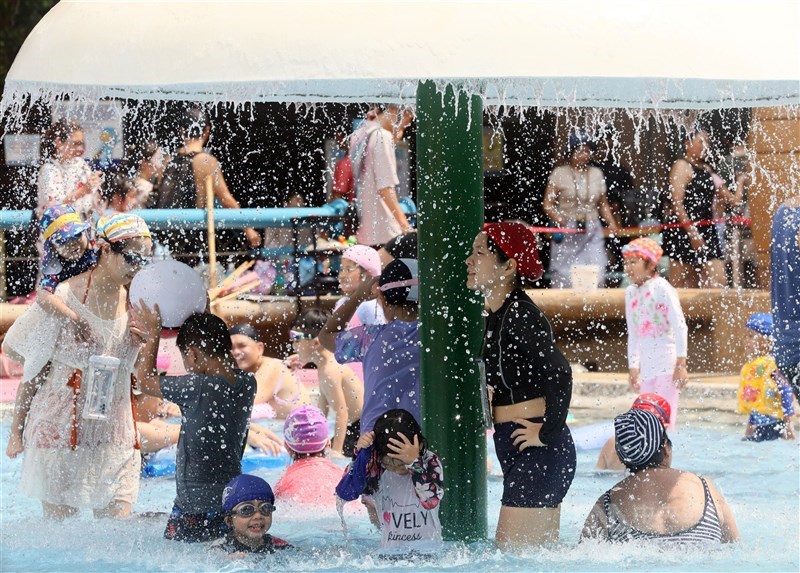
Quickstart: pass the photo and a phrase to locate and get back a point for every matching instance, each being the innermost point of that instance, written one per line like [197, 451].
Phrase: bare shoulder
[205, 163]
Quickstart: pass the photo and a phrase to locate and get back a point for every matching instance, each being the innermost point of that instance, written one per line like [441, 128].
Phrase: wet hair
[245, 329]
[311, 321]
[207, 333]
[120, 185]
[195, 122]
[402, 246]
[655, 460]
[59, 131]
[394, 422]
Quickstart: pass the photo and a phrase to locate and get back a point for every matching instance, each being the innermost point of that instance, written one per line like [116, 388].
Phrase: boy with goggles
[248, 503]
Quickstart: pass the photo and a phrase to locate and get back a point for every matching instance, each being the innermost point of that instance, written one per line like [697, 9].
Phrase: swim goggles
[249, 509]
[298, 335]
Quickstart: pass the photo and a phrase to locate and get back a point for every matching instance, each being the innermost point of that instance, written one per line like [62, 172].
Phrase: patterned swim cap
[644, 248]
[121, 226]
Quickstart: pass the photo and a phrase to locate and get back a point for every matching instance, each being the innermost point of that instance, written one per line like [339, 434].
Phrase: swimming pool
[759, 481]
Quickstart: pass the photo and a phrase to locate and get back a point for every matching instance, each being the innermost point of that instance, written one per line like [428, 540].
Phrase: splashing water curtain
[452, 76]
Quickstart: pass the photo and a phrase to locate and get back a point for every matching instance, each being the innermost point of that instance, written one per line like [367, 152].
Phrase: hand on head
[403, 449]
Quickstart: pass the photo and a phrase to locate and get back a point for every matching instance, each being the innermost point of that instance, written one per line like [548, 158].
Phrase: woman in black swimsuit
[530, 385]
[696, 257]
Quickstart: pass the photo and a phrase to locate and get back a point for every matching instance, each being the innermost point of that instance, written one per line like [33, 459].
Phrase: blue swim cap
[245, 488]
[760, 323]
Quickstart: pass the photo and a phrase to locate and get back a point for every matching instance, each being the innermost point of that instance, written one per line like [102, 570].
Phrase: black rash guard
[523, 362]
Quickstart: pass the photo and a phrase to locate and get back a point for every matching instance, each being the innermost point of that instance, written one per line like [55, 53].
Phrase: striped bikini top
[707, 530]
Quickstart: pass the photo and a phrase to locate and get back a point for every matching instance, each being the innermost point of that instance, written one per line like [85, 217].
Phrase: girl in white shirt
[657, 331]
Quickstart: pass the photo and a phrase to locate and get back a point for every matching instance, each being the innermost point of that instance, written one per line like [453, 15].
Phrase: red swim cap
[655, 404]
[519, 243]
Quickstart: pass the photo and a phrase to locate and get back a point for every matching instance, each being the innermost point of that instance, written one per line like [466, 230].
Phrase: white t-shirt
[379, 171]
[405, 524]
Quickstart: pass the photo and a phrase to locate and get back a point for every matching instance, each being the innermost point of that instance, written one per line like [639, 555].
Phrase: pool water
[759, 481]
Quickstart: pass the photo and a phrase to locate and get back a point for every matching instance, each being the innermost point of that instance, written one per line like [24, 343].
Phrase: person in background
[619, 190]
[784, 256]
[529, 386]
[375, 172]
[215, 399]
[390, 352]
[695, 251]
[575, 198]
[248, 504]
[65, 177]
[184, 182]
[608, 458]
[340, 389]
[359, 263]
[657, 503]
[343, 181]
[119, 194]
[311, 478]
[657, 331]
[764, 393]
[279, 391]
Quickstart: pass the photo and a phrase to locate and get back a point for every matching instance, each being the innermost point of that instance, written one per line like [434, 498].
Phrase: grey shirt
[215, 417]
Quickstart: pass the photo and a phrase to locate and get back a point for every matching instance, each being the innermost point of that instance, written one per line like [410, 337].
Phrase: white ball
[175, 287]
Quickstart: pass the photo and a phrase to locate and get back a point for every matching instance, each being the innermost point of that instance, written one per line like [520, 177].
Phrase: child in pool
[657, 331]
[311, 477]
[339, 387]
[215, 399]
[764, 393]
[68, 251]
[404, 484]
[248, 504]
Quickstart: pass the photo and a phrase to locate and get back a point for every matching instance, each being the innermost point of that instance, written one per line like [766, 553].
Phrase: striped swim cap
[639, 435]
[121, 226]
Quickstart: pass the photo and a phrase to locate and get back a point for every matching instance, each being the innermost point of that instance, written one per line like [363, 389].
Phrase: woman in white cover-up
[71, 461]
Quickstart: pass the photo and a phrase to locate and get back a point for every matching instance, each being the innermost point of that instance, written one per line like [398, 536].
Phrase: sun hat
[639, 435]
[399, 281]
[644, 248]
[655, 404]
[518, 243]
[365, 257]
[245, 488]
[306, 430]
[60, 224]
[761, 323]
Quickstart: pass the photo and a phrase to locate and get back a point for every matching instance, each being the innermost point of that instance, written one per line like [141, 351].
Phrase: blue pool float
[162, 464]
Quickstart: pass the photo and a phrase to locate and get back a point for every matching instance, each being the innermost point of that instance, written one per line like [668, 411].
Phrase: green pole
[450, 197]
